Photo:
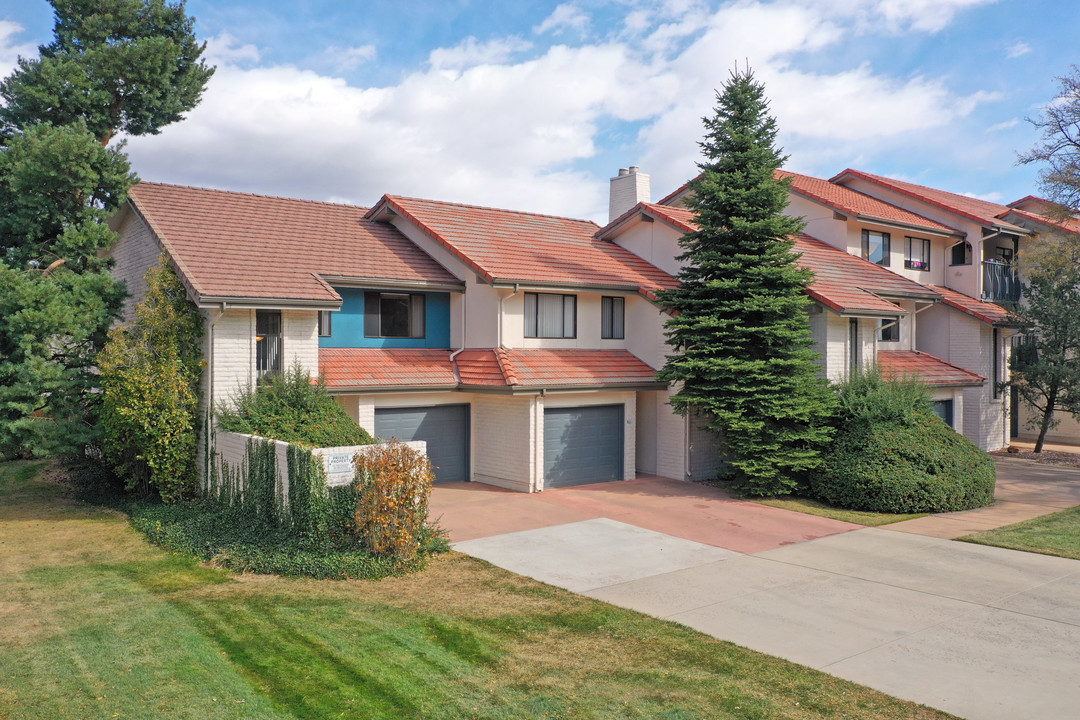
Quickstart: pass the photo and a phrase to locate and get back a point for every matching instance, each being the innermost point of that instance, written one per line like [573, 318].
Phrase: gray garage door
[445, 429]
[583, 445]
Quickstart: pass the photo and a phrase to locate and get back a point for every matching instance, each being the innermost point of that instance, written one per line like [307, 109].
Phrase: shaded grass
[816, 507]
[1055, 534]
[97, 623]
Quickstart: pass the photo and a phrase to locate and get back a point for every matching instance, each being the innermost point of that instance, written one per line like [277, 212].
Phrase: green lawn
[816, 507]
[1056, 534]
[96, 623]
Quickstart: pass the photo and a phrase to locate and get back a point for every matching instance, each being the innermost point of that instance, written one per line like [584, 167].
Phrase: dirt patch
[1046, 457]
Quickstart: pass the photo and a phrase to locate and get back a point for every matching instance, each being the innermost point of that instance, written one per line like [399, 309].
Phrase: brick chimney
[628, 188]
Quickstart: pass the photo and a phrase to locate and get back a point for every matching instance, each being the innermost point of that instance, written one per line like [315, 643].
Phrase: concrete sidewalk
[981, 632]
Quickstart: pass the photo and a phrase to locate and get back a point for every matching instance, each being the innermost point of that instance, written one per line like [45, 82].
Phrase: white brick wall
[670, 439]
[233, 363]
[1067, 431]
[505, 440]
[135, 252]
[300, 338]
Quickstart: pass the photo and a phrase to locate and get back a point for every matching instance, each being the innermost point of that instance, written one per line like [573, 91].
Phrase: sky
[535, 105]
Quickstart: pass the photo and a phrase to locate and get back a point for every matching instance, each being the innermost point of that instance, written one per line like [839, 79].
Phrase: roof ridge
[495, 209]
[241, 193]
[506, 367]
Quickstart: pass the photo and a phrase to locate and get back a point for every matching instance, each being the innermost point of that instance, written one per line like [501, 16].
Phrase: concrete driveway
[977, 631]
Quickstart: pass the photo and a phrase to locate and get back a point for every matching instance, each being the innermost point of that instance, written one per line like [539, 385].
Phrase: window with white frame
[917, 256]
[612, 318]
[550, 316]
[393, 315]
[960, 253]
[889, 330]
[267, 342]
[875, 247]
[325, 324]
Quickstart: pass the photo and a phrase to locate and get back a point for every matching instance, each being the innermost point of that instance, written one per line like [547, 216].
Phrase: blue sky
[535, 105]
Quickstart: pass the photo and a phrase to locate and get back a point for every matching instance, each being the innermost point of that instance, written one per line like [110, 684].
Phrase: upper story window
[393, 315]
[267, 342]
[612, 318]
[550, 316]
[960, 253]
[875, 247]
[917, 256]
[889, 330]
[325, 324]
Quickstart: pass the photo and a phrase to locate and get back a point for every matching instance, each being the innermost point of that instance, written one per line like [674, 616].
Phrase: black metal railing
[1000, 282]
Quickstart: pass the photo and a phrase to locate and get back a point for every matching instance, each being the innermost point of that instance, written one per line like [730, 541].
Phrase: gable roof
[1042, 212]
[239, 246]
[506, 246]
[482, 369]
[862, 206]
[678, 217]
[930, 369]
[989, 313]
[851, 285]
[983, 212]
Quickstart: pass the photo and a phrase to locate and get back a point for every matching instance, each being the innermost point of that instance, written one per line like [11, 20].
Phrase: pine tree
[114, 66]
[739, 327]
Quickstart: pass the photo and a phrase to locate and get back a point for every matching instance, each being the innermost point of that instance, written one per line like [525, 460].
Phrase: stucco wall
[1067, 431]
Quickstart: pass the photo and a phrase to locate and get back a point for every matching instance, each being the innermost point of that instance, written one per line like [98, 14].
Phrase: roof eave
[212, 301]
[392, 283]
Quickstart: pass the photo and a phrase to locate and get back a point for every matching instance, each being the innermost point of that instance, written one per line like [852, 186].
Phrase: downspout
[464, 321]
[210, 390]
[501, 299]
[686, 444]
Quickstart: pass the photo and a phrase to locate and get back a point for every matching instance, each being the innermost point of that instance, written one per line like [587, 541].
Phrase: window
[267, 342]
[995, 361]
[393, 315]
[875, 247]
[1004, 255]
[944, 410]
[961, 253]
[853, 347]
[550, 316]
[325, 324]
[889, 330]
[918, 254]
[612, 314]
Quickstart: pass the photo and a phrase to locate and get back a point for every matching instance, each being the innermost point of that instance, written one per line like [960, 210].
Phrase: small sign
[339, 464]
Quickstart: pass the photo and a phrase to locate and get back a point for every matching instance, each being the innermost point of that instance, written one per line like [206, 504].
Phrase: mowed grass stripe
[96, 623]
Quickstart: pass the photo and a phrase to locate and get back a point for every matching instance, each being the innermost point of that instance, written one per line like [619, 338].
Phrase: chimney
[628, 188]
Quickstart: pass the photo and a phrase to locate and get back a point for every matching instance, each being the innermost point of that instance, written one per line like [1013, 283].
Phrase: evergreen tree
[739, 327]
[114, 66]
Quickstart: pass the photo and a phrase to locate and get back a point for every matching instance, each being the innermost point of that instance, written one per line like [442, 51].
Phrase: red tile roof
[981, 211]
[990, 313]
[238, 245]
[859, 205]
[848, 284]
[1069, 225]
[379, 367]
[509, 246]
[348, 368]
[927, 368]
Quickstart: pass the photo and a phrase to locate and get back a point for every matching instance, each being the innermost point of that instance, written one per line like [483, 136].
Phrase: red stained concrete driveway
[691, 511]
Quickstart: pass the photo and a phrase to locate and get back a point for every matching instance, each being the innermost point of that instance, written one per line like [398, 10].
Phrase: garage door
[583, 445]
[445, 429]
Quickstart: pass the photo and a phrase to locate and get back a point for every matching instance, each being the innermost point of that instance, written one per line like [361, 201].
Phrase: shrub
[150, 373]
[290, 407]
[393, 484]
[893, 454]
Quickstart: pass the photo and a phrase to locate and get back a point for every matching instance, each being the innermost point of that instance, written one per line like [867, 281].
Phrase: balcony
[999, 282]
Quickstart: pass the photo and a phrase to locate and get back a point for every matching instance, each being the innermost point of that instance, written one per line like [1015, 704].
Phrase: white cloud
[472, 52]
[501, 123]
[994, 197]
[997, 127]
[1017, 49]
[224, 49]
[10, 48]
[343, 59]
[565, 16]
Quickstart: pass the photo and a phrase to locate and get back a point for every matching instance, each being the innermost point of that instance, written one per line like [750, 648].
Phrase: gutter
[248, 303]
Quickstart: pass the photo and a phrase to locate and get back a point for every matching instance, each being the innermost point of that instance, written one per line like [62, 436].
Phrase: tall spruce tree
[739, 327]
[129, 66]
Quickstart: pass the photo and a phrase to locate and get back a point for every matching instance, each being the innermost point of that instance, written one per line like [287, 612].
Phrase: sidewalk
[1025, 489]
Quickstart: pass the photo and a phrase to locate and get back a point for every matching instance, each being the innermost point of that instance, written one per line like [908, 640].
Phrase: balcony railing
[1000, 283]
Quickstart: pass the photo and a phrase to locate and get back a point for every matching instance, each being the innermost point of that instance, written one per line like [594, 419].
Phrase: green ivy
[150, 373]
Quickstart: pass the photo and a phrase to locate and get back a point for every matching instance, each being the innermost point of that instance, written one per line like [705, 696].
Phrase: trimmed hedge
[920, 466]
[291, 407]
[892, 454]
